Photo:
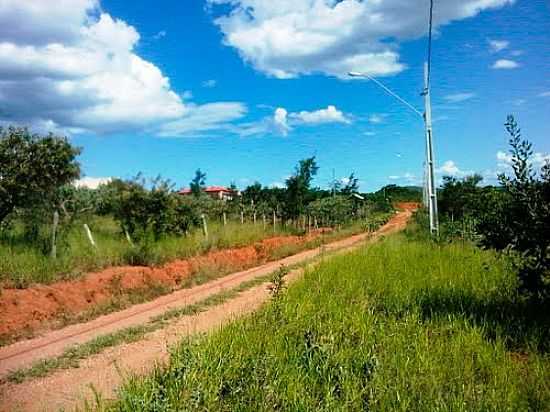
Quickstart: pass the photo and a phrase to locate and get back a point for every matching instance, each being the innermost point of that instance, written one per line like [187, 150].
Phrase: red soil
[31, 309]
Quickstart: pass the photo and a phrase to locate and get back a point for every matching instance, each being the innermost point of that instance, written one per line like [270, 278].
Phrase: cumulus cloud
[450, 168]
[505, 64]
[545, 94]
[288, 38]
[329, 115]
[92, 182]
[459, 97]
[280, 120]
[498, 45]
[74, 68]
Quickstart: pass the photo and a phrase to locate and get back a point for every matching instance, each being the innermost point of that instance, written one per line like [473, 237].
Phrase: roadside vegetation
[403, 324]
[459, 322]
[52, 230]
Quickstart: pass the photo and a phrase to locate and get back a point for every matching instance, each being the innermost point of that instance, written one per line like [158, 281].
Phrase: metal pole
[430, 162]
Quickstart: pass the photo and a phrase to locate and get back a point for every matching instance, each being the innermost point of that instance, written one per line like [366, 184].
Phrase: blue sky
[244, 89]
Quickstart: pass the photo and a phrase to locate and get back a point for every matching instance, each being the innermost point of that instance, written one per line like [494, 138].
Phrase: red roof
[209, 189]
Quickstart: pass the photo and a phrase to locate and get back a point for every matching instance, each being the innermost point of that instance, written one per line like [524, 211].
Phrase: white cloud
[92, 182]
[516, 53]
[459, 97]
[498, 45]
[406, 178]
[73, 68]
[505, 64]
[209, 83]
[450, 168]
[288, 38]
[376, 118]
[280, 120]
[545, 94]
[369, 133]
[329, 115]
[196, 120]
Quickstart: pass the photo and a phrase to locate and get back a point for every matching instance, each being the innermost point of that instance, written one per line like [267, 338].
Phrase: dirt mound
[408, 206]
[23, 311]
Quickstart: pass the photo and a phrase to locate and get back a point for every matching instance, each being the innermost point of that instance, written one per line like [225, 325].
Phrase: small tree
[198, 183]
[33, 168]
[298, 186]
[352, 185]
[519, 219]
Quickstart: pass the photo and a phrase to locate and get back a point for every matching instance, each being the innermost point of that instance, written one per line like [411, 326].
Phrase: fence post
[242, 217]
[274, 220]
[54, 234]
[128, 238]
[89, 234]
[263, 219]
[254, 217]
[204, 226]
[224, 219]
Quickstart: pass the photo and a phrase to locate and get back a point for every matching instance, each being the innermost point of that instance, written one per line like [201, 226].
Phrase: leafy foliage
[514, 217]
[297, 187]
[198, 183]
[33, 168]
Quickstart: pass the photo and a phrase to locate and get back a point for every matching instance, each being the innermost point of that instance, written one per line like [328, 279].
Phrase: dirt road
[66, 389]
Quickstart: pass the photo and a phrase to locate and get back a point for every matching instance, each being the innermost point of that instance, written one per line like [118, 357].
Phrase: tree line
[512, 217]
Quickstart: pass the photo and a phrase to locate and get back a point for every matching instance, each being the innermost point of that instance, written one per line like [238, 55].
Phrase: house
[215, 192]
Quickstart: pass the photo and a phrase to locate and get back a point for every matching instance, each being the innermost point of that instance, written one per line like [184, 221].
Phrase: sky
[244, 89]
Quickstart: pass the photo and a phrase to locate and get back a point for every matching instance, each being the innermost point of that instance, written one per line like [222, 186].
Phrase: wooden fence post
[224, 219]
[242, 217]
[204, 226]
[54, 234]
[89, 234]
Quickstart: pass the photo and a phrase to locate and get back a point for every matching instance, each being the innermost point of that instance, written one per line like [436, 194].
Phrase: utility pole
[430, 163]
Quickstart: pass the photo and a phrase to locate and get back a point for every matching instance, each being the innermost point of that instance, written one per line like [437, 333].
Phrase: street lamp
[431, 192]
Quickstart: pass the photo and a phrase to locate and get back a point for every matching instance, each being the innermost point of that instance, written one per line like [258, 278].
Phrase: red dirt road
[105, 372]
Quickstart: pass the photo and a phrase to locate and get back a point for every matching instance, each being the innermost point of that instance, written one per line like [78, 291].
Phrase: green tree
[33, 168]
[298, 186]
[198, 183]
[351, 186]
[519, 217]
[460, 197]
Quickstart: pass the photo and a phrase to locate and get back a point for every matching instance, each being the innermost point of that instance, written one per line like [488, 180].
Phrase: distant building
[215, 192]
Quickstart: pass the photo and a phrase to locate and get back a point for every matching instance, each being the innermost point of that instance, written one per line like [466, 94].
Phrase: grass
[403, 324]
[128, 297]
[22, 264]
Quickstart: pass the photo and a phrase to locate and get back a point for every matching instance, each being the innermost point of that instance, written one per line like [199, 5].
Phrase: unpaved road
[104, 372]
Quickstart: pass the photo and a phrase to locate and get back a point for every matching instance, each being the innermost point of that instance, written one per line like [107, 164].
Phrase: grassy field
[403, 324]
[21, 264]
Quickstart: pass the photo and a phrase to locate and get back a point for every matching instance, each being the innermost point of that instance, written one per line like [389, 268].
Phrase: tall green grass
[399, 325]
[22, 264]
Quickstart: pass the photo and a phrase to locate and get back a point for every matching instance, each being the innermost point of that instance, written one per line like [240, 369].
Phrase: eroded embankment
[40, 307]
